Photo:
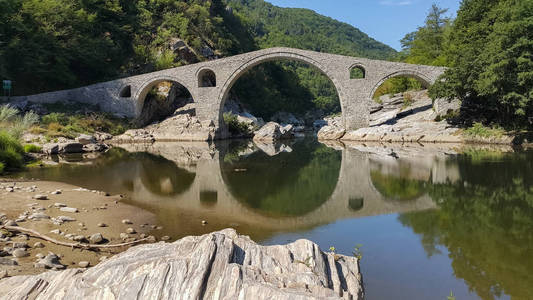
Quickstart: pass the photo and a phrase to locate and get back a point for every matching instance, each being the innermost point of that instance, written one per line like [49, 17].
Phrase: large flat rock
[219, 265]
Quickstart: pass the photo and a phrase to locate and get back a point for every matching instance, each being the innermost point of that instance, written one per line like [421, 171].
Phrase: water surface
[430, 222]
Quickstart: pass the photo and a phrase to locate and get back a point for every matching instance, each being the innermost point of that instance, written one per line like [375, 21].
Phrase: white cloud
[396, 3]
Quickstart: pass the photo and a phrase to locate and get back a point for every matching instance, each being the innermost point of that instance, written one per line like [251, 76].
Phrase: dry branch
[73, 245]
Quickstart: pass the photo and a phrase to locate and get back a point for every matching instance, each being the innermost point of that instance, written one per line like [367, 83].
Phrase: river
[428, 221]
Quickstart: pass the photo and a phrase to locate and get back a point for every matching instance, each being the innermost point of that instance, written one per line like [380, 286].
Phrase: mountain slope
[305, 29]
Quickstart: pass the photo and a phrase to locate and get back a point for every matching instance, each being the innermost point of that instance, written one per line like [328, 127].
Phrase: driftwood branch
[72, 245]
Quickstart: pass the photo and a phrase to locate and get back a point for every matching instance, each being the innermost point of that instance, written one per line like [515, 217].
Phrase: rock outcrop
[180, 127]
[220, 265]
[404, 117]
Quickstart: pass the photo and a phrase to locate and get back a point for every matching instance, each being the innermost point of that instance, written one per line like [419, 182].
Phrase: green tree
[426, 45]
[491, 56]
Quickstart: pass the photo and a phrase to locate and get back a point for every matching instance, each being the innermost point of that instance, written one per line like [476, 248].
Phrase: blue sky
[384, 20]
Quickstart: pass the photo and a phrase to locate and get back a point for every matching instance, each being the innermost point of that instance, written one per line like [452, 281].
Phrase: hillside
[305, 29]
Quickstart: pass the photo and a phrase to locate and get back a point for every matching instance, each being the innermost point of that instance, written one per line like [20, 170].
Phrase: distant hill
[305, 29]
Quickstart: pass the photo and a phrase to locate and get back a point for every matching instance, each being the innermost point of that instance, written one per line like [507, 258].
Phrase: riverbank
[66, 213]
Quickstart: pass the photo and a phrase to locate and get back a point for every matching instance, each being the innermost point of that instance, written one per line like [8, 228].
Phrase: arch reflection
[287, 184]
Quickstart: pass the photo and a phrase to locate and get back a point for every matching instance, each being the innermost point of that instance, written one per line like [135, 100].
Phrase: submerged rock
[213, 266]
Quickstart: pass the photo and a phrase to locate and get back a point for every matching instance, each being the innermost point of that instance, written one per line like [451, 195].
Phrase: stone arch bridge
[126, 96]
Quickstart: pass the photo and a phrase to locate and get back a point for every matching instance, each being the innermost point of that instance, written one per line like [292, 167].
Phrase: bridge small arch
[357, 71]
[125, 92]
[142, 92]
[423, 79]
[207, 78]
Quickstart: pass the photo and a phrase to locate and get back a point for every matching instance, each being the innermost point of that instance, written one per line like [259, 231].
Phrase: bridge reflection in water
[264, 189]
[260, 189]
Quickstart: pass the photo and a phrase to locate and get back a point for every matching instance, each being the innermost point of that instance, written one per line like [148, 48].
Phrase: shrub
[234, 126]
[479, 130]
[7, 113]
[2, 167]
[59, 118]
[14, 124]
[11, 151]
[31, 148]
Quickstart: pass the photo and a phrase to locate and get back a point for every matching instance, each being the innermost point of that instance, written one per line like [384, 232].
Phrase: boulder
[272, 131]
[85, 139]
[287, 131]
[331, 133]
[269, 132]
[94, 147]
[219, 265]
[51, 261]
[62, 148]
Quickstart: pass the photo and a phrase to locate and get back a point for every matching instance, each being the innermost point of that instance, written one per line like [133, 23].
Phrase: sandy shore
[94, 207]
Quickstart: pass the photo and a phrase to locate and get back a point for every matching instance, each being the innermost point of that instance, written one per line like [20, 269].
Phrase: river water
[428, 220]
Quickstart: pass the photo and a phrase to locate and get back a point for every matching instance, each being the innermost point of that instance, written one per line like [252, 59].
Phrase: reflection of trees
[117, 170]
[162, 177]
[288, 183]
[486, 224]
[399, 188]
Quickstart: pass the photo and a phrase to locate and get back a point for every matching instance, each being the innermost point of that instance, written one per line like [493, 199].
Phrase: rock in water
[330, 133]
[219, 265]
[269, 132]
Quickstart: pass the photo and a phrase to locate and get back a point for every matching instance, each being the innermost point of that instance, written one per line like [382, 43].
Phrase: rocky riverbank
[67, 214]
[217, 265]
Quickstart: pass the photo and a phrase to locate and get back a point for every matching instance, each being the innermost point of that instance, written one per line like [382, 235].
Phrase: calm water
[429, 222]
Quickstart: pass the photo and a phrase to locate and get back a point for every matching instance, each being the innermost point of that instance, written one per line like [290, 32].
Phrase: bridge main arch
[247, 65]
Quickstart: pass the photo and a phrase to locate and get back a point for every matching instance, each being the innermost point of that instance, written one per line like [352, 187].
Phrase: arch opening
[357, 72]
[398, 83]
[125, 92]
[356, 204]
[207, 78]
[282, 87]
[162, 98]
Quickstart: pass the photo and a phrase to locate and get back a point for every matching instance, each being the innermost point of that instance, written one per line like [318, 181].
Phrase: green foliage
[427, 45]
[357, 73]
[357, 251]
[479, 130]
[451, 296]
[71, 119]
[490, 54]
[31, 148]
[11, 151]
[2, 167]
[235, 127]
[397, 85]
[15, 124]
[7, 113]
[397, 188]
